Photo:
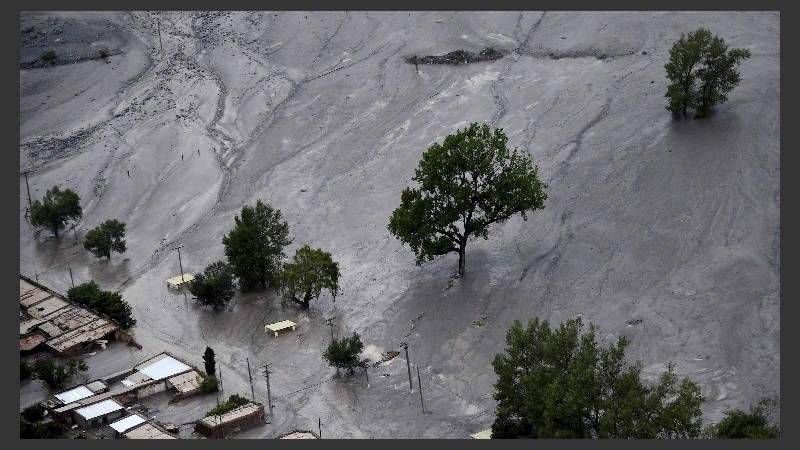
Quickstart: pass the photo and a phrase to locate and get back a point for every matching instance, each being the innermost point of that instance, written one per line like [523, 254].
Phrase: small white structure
[485, 434]
[164, 368]
[100, 412]
[180, 280]
[278, 326]
[125, 424]
[73, 395]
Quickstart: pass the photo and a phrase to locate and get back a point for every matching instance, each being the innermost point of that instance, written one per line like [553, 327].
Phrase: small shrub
[33, 413]
[46, 430]
[208, 384]
[103, 53]
[233, 402]
[49, 56]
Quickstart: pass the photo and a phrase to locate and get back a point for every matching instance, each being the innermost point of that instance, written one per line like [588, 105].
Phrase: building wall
[154, 388]
[244, 423]
[97, 421]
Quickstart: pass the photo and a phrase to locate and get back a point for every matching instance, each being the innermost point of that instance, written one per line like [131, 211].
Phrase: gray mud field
[665, 231]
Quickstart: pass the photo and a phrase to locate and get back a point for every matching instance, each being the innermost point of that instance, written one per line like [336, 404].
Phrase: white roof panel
[127, 423]
[99, 409]
[74, 394]
[164, 368]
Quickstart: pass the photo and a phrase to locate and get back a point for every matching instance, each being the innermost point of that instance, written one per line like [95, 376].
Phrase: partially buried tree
[215, 286]
[107, 237]
[343, 353]
[309, 273]
[466, 184]
[558, 383]
[209, 361]
[55, 209]
[738, 424]
[254, 247]
[54, 374]
[701, 72]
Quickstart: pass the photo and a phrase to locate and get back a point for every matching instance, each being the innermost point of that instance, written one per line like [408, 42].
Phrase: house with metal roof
[98, 413]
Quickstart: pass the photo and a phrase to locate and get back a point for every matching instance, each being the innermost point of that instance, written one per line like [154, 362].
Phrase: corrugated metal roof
[74, 394]
[165, 368]
[148, 431]
[99, 409]
[30, 342]
[46, 307]
[127, 423]
[186, 382]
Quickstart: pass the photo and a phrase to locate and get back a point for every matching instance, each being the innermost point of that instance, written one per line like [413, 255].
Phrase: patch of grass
[103, 53]
[233, 402]
[49, 56]
[457, 57]
[480, 322]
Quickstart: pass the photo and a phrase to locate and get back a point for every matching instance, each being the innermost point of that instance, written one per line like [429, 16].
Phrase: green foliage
[215, 286]
[702, 72]
[210, 361]
[55, 374]
[34, 413]
[738, 424]
[343, 354]
[49, 56]
[254, 246]
[233, 402]
[208, 384]
[468, 183]
[46, 430]
[309, 273]
[24, 369]
[103, 53]
[105, 302]
[55, 209]
[107, 237]
[557, 383]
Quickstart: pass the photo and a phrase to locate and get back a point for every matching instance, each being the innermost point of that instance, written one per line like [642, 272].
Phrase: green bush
[49, 56]
[55, 374]
[233, 402]
[105, 302]
[103, 53]
[46, 430]
[208, 384]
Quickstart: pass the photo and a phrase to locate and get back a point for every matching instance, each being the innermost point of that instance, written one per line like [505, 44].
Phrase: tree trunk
[462, 259]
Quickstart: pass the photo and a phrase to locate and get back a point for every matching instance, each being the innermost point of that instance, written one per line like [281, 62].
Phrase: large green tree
[343, 353]
[702, 72]
[105, 302]
[558, 383]
[209, 361]
[308, 274]
[107, 237]
[215, 286]
[467, 183]
[55, 209]
[738, 424]
[254, 246]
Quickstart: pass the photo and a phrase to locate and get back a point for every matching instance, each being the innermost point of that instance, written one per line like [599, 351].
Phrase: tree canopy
[702, 72]
[343, 353]
[215, 286]
[209, 361]
[466, 184]
[55, 209]
[308, 274]
[558, 383]
[738, 424]
[107, 237]
[54, 374]
[105, 302]
[254, 247]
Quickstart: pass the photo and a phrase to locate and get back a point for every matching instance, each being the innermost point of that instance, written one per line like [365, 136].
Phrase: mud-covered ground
[664, 231]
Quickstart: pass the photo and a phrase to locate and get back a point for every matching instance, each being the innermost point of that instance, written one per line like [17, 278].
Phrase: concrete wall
[97, 421]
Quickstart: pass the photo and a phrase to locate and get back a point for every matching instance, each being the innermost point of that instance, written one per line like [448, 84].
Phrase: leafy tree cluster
[45, 430]
[466, 184]
[55, 209]
[54, 374]
[209, 361]
[108, 303]
[208, 384]
[558, 383]
[702, 71]
[216, 286]
[343, 353]
[254, 249]
[233, 402]
[738, 424]
[107, 237]
[308, 274]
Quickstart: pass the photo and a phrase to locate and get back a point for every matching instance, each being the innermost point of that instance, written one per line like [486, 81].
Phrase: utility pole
[76, 233]
[330, 324]
[320, 427]
[252, 389]
[30, 203]
[415, 63]
[180, 263]
[420, 391]
[73, 285]
[408, 365]
[269, 393]
[160, 45]
[221, 389]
